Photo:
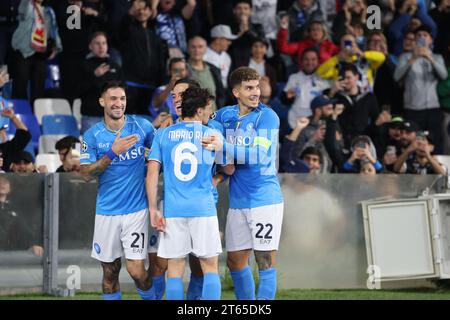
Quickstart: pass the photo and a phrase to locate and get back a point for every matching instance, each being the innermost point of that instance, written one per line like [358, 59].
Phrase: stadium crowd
[349, 99]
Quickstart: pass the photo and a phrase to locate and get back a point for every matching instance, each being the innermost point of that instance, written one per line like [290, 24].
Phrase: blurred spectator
[358, 30]
[4, 78]
[35, 40]
[144, 56]
[76, 41]
[170, 28]
[162, 101]
[317, 38]
[360, 116]
[367, 63]
[301, 14]
[207, 75]
[314, 134]
[420, 72]
[409, 42]
[266, 90]
[242, 26]
[389, 139]
[386, 89]
[411, 15]
[441, 15]
[367, 167]
[289, 161]
[23, 162]
[265, 14]
[8, 23]
[418, 158]
[10, 148]
[96, 69]
[363, 151]
[259, 62]
[302, 87]
[216, 54]
[313, 159]
[16, 232]
[68, 154]
[352, 10]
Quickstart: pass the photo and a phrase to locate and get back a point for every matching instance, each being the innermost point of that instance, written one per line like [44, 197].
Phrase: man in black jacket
[9, 149]
[361, 113]
[144, 56]
[97, 69]
[207, 75]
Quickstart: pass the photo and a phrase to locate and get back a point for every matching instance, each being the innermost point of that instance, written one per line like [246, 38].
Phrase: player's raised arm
[119, 146]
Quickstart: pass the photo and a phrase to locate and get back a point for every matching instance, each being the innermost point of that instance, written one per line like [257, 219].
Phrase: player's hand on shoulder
[121, 145]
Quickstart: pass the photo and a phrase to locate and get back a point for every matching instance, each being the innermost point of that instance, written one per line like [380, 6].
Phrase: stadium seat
[60, 124]
[31, 123]
[21, 106]
[50, 160]
[76, 109]
[44, 107]
[47, 142]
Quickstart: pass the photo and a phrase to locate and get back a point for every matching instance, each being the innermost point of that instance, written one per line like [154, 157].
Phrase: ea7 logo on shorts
[97, 248]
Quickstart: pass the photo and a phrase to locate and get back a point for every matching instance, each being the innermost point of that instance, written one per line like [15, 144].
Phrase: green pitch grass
[293, 294]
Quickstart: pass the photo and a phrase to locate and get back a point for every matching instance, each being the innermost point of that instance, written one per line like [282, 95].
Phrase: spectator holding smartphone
[363, 152]
[420, 71]
[418, 158]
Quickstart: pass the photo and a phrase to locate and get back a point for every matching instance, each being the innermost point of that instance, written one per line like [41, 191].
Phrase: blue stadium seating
[60, 124]
[31, 123]
[21, 106]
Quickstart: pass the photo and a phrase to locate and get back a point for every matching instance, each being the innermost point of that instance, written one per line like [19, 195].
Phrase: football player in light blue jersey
[158, 265]
[256, 203]
[190, 222]
[114, 150]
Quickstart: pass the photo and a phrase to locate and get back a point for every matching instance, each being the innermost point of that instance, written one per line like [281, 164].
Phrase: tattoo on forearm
[263, 259]
[98, 167]
[111, 272]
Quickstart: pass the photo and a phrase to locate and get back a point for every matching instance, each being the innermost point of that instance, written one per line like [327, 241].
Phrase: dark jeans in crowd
[5, 41]
[431, 121]
[31, 69]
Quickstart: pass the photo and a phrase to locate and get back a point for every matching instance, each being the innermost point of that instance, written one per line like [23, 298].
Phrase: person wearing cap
[418, 158]
[9, 148]
[216, 54]
[206, 74]
[420, 71]
[23, 162]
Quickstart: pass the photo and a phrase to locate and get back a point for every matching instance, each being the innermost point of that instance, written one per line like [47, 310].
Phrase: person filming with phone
[420, 71]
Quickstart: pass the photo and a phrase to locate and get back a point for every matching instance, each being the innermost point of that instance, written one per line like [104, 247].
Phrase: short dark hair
[194, 98]
[312, 151]
[148, 3]
[190, 82]
[349, 67]
[97, 34]
[66, 143]
[174, 60]
[243, 74]
[112, 85]
[309, 50]
[236, 2]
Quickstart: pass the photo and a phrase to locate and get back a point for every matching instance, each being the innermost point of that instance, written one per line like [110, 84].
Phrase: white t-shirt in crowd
[258, 67]
[220, 60]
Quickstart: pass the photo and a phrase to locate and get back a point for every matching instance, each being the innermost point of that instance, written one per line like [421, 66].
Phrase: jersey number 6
[181, 156]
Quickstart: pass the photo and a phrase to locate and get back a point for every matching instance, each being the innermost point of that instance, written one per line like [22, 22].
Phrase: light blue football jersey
[188, 169]
[121, 188]
[254, 141]
[213, 124]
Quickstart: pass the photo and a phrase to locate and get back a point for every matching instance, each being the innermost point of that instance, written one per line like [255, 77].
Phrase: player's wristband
[111, 154]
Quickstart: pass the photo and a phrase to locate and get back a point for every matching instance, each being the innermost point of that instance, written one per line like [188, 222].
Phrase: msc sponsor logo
[132, 154]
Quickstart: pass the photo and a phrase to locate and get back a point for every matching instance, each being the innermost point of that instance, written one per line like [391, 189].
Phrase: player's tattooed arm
[95, 169]
[264, 259]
